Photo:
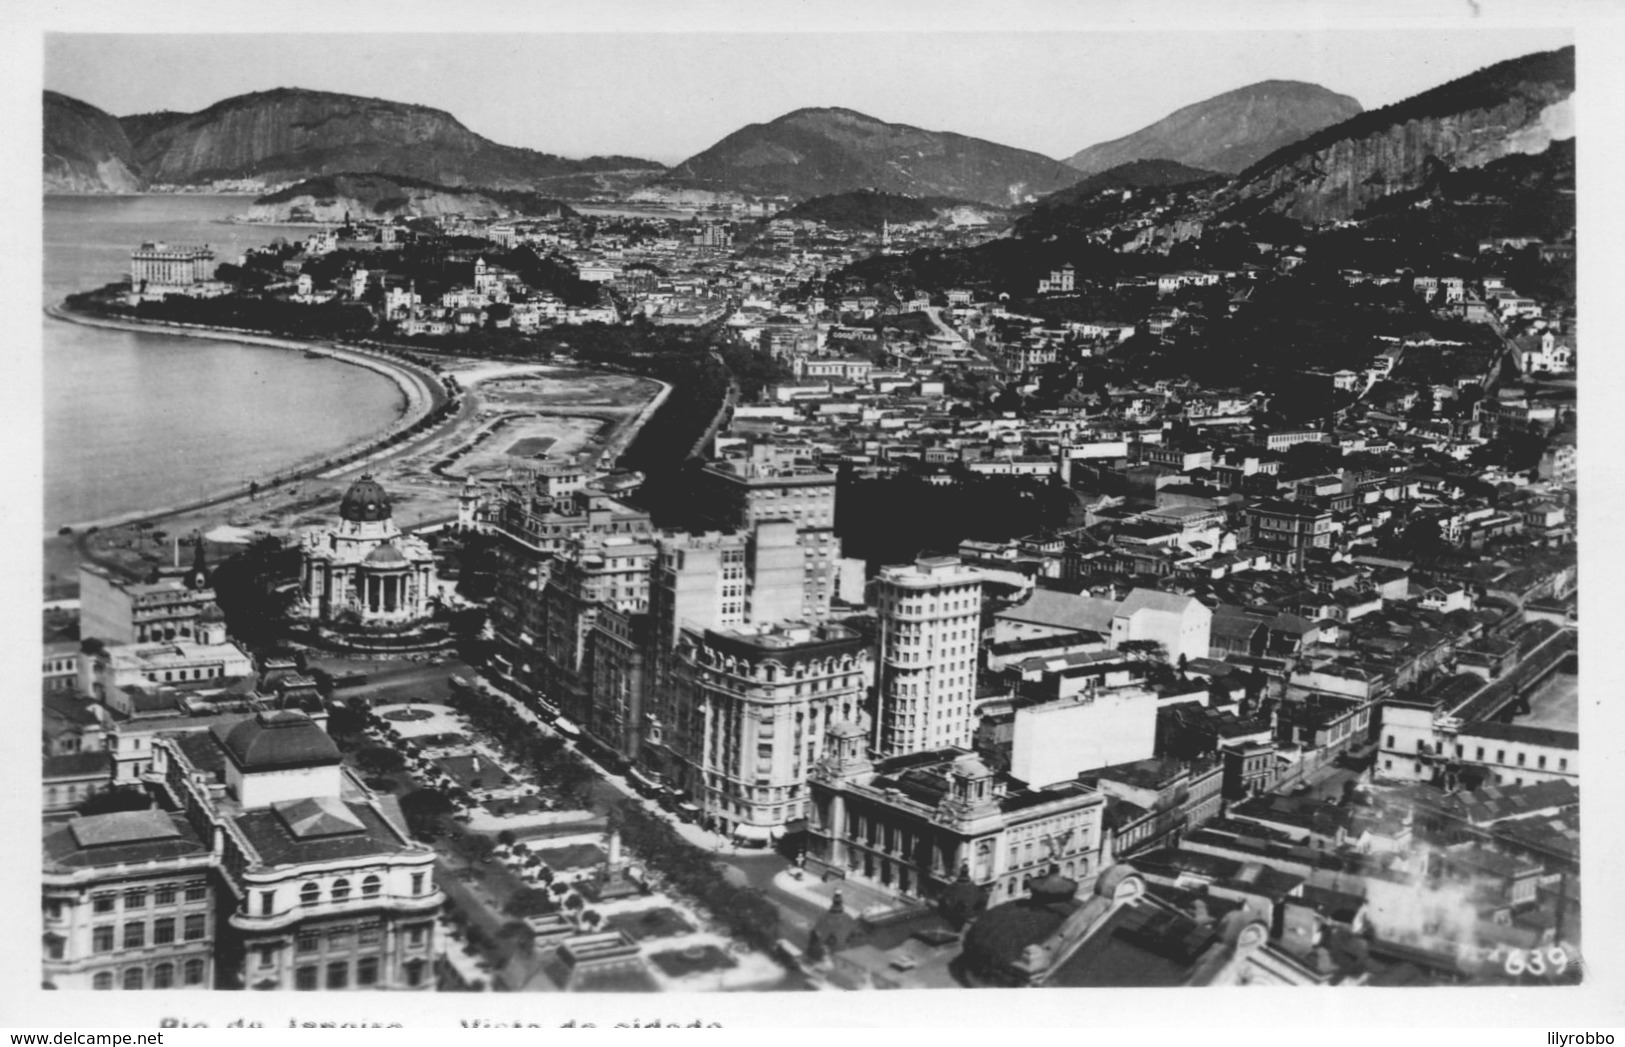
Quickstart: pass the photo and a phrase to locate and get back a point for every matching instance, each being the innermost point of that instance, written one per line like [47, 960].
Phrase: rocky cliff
[1227, 132]
[290, 134]
[1519, 106]
[820, 152]
[86, 150]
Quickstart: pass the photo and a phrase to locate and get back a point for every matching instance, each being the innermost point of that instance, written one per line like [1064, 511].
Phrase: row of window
[136, 897]
[163, 976]
[338, 974]
[311, 892]
[103, 937]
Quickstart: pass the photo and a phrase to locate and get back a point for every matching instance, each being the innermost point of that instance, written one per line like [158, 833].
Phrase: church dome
[211, 612]
[386, 555]
[365, 500]
[279, 740]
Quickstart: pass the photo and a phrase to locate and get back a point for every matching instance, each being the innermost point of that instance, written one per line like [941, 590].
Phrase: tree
[530, 901]
[111, 801]
[591, 920]
[378, 759]
[426, 811]
[574, 903]
[507, 838]
[476, 847]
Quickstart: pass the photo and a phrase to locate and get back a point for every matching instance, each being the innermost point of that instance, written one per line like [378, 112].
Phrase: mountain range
[1290, 148]
[1228, 132]
[289, 134]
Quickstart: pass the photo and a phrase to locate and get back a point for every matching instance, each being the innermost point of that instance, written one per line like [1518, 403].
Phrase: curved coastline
[420, 388]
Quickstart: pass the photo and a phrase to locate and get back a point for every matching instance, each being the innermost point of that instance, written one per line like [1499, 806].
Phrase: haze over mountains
[1228, 132]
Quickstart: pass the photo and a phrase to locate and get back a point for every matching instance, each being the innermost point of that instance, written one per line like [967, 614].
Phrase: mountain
[1518, 106]
[332, 198]
[820, 152]
[1227, 132]
[289, 134]
[86, 151]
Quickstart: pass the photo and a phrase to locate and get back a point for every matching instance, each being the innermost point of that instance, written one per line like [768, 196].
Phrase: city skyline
[1247, 630]
[675, 106]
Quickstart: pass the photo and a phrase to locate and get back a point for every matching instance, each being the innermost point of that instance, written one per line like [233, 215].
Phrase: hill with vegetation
[822, 152]
[865, 210]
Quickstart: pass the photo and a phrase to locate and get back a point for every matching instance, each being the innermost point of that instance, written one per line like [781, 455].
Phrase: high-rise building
[758, 702]
[535, 517]
[712, 581]
[771, 483]
[591, 573]
[930, 627]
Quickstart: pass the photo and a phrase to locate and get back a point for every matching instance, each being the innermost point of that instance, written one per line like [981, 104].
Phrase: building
[1180, 625]
[1288, 530]
[116, 611]
[930, 629]
[911, 824]
[591, 573]
[130, 902]
[162, 265]
[755, 704]
[319, 883]
[772, 484]
[364, 579]
[1080, 728]
[60, 666]
[702, 582]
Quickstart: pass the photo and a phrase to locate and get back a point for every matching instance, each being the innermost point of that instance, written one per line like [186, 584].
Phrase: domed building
[365, 576]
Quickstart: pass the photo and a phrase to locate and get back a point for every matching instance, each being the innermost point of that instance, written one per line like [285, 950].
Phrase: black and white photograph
[731, 503]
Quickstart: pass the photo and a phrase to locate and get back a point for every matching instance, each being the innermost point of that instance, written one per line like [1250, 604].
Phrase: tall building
[320, 885]
[712, 581]
[930, 627]
[535, 517]
[591, 573]
[770, 483]
[757, 704]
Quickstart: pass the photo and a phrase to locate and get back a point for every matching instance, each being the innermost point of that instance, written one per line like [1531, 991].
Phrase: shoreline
[421, 392]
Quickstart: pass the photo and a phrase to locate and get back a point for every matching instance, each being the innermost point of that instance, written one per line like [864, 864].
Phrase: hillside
[1138, 174]
[1518, 106]
[332, 198]
[865, 210]
[289, 134]
[85, 150]
[822, 152]
[1227, 132]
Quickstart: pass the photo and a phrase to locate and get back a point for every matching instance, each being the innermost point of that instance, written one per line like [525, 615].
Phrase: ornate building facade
[365, 574]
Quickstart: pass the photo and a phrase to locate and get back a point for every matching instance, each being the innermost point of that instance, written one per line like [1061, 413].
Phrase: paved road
[750, 868]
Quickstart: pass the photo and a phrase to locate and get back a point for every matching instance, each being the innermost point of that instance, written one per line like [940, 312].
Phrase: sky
[669, 94]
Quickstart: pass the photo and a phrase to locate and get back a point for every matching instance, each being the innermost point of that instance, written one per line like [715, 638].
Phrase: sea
[142, 421]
